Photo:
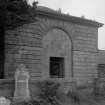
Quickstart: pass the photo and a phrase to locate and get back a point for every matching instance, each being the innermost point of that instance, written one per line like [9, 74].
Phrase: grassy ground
[82, 97]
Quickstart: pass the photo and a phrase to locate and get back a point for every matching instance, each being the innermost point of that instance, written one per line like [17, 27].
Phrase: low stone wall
[7, 87]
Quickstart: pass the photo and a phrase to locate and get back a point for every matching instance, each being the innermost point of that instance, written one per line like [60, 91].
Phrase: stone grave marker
[21, 84]
[4, 101]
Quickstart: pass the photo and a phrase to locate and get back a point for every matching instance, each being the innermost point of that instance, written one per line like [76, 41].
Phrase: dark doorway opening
[57, 67]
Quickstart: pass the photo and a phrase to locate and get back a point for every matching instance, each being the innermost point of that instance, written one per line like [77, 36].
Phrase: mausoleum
[56, 46]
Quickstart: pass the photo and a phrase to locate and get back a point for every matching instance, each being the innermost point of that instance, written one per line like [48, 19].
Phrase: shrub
[74, 96]
[31, 102]
[48, 92]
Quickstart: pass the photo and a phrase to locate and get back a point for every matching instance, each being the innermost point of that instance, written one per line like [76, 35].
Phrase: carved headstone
[4, 101]
[21, 84]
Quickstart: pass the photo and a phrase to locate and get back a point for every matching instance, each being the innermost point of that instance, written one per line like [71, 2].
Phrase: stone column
[21, 84]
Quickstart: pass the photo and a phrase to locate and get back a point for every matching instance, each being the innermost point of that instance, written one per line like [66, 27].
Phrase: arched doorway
[57, 55]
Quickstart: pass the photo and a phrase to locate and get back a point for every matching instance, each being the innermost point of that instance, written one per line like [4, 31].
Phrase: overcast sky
[91, 9]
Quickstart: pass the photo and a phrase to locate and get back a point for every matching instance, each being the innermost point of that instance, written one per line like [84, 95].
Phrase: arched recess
[57, 46]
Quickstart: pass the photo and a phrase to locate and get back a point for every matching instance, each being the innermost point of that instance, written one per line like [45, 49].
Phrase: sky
[91, 9]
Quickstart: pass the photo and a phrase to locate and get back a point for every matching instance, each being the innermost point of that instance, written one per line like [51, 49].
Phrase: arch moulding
[46, 28]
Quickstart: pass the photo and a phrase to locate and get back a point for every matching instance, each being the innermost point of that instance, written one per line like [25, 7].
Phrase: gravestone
[4, 101]
[21, 84]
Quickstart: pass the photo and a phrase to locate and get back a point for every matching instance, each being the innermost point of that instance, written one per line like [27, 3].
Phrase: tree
[12, 14]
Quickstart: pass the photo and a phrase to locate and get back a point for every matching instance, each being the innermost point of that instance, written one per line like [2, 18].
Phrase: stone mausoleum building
[57, 46]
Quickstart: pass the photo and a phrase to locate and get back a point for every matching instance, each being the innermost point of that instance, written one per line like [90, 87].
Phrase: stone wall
[85, 53]
[7, 88]
[56, 43]
[101, 64]
[85, 38]
[101, 57]
[85, 66]
[24, 45]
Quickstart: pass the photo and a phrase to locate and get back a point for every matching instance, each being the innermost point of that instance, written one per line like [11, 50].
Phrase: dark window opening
[56, 67]
[101, 70]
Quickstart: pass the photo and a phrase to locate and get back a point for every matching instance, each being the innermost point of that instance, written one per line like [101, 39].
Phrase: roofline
[73, 19]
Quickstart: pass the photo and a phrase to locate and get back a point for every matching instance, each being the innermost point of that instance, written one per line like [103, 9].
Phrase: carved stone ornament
[21, 84]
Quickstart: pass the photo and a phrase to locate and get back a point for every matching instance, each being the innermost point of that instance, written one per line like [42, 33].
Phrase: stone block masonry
[25, 45]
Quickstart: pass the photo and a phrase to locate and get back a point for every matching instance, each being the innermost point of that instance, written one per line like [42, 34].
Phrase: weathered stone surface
[21, 84]
[56, 44]
[84, 42]
[85, 66]
[4, 101]
[6, 87]
[99, 86]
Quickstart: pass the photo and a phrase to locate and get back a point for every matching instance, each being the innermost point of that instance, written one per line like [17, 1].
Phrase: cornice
[69, 18]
